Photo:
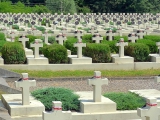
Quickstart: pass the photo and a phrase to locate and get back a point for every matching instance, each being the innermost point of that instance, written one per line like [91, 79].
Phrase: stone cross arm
[80, 45]
[122, 44]
[96, 82]
[27, 83]
[36, 45]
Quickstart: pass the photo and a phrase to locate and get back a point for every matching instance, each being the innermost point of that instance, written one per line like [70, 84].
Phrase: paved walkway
[80, 84]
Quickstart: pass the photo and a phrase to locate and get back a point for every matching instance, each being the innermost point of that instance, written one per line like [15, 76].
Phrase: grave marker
[132, 37]
[37, 44]
[158, 45]
[97, 83]
[24, 40]
[110, 35]
[60, 38]
[151, 111]
[46, 35]
[25, 84]
[97, 38]
[121, 45]
[79, 46]
[140, 34]
[57, 113]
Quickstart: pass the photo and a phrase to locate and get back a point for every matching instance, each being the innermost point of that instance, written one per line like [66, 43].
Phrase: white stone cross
[23, 40]
[25, 84]
[93, 30]
[133, 37]
[79, 46]
[141, 34]
[148, 31]
[37, 44]
[57, 113]
[79, 34]
[97, 38]
[151, 111]
[46, 35]
[121, 45]
[97, 83]
[158, 44]
[110, 35]
[12, 35]
[119, 31]
[60, 38]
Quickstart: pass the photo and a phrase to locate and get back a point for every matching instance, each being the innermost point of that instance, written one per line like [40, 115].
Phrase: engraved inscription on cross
[57, 113]
[121, 45]
[23, 40]
[97, 83]
[37, 44]
[25, 84]
[151, 111]
[158, 45]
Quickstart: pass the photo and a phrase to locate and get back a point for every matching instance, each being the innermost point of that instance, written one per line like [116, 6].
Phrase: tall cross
[151, 111]
[57, 113]
[148, 31]
[12, 35]
[158, 44]
[141, 34]
[133, 37]
[97, 83]
[110, 34]
[93, 30]
[60, 38]
[25, 84]
[121, 45]
[46, 35]
[97, 38]
[79, 46]
[23, 40]
[37, 44]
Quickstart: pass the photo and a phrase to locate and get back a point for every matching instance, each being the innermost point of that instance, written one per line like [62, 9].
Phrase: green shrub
[112, 45]
[67, 97]
[126, 101]
[13, 53]
[2, 37]
[15, 27]
[1, 44]
[87, 38]
[117, 38]
[100, 53]
[139, 51]
[55, 53]
[151, 44]
[129, 23]
[155, 38]
[113, 29]
[69, 44]
[40, 28]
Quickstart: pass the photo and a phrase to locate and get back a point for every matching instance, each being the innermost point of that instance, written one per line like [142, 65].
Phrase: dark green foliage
[129, 23]
[15, 27]
[112, 45]
[126, 101]
[113, 29]
[51, 39]
[40, 28]
[67, 97]
[69, 44]
[55, 53]
[117, 38]
[139, 51]
[100, 53]
[13, 53]
[151, 44]
[2, 37]
[87, 38]
[155, 38]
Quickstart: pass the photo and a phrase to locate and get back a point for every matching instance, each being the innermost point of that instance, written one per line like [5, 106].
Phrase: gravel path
[80, 84]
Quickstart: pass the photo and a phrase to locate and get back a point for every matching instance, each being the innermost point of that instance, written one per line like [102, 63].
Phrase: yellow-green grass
[86, 73]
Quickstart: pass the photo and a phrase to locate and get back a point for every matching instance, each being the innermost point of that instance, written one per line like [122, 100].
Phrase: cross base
[83, 60]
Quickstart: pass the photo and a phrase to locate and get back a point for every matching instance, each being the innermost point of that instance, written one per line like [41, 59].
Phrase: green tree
[64, 6]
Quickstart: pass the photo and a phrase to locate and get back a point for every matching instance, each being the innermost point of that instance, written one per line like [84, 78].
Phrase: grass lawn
[85, 73]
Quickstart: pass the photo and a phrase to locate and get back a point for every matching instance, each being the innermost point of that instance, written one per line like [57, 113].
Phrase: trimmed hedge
[55, 53]
[2, 40]
[13, 53]
[155, 38]
[87, 38]
[69, 45]
[67, 97]
[112, 45]
[151, 44]
[100, 53]
[139, 51]
[126, 101]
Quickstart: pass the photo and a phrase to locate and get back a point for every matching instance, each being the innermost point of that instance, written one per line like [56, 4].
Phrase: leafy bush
[2, 37]
[55, 53]
[13, 53]
[1, 44]
[15, 26]
[112, 45]
[87, 38]
[155, 38]
[67, 97]
[69, 44]
[151, 44]
[40, 28]
[139, 51]
[100, 53]
[126, 101]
